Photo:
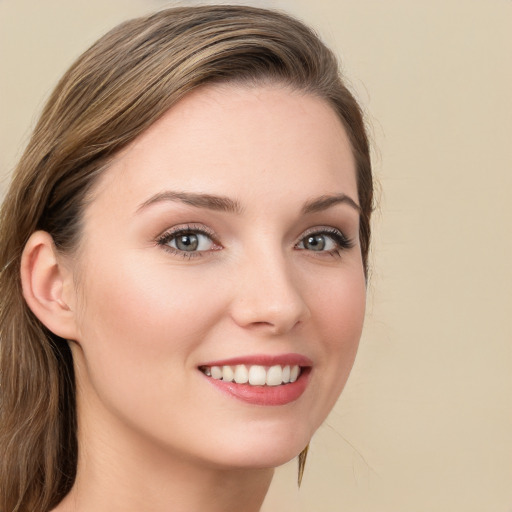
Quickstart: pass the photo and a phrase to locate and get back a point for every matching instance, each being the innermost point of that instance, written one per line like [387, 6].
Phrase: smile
[254, 375]
[264, 380]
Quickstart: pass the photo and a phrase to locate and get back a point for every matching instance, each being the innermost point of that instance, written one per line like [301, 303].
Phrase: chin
[259, 459]
[266, 449]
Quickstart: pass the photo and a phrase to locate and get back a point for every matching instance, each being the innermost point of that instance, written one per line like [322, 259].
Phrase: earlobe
[44, 281]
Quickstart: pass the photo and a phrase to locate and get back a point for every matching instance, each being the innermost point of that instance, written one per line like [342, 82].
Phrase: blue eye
[318, 243]
[187, 241]
[190, 242]
[327, 241]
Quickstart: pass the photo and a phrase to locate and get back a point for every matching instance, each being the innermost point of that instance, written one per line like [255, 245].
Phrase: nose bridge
[267, 291]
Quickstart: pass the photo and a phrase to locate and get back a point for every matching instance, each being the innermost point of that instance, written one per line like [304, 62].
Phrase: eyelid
[341, 239]
[163, 239]
[187, 228]
[329, 230]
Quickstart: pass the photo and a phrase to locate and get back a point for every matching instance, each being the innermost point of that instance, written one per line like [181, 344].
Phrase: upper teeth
[254, 375]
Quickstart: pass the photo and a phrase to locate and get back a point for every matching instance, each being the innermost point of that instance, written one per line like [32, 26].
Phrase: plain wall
[425, 422]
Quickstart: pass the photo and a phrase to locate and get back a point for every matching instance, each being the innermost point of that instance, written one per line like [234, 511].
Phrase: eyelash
[341, 242]
[173, 233]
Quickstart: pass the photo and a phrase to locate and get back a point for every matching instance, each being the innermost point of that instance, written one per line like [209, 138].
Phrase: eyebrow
[324, 202]
[211, 202]
[225, 204]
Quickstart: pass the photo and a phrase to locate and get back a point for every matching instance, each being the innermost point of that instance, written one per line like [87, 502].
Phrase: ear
[47, 285]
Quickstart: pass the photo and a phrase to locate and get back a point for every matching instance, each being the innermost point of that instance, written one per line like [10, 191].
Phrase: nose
[268, 295]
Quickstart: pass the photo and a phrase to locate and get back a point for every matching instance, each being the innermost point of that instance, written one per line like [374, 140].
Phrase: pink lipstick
[261, 379]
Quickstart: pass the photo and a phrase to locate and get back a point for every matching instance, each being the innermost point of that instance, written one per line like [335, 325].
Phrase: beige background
[425, 423]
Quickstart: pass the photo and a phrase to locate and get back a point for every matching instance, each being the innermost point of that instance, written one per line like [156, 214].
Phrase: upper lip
[264, 360]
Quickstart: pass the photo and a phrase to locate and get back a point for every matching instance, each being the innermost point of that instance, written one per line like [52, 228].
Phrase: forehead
[232, 139]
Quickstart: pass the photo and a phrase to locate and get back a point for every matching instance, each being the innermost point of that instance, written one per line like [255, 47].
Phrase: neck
[179, 490]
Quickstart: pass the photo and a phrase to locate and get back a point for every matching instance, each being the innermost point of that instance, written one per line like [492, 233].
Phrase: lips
[261, 380]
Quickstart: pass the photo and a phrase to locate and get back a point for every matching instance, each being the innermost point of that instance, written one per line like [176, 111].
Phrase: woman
[183, 254]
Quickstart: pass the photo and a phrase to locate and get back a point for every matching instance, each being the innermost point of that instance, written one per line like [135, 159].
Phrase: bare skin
[167, 281]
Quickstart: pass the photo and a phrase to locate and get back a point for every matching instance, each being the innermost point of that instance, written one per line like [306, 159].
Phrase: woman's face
[223, 242]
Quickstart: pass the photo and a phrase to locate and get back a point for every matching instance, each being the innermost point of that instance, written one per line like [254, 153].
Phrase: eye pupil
[315, 242]
[187, 242]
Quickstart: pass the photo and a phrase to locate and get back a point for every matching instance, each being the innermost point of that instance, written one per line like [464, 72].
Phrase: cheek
[343, 317]
[338, 319]
[140, 329]
[143, 318]
[339, 307]
[132, 295]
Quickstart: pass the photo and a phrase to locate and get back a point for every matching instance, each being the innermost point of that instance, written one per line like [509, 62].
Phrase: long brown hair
[109, 96]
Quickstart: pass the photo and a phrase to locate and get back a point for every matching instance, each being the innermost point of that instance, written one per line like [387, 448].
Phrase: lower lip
[265, 395]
